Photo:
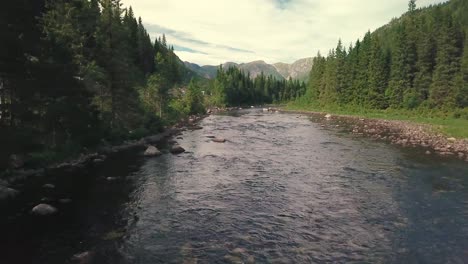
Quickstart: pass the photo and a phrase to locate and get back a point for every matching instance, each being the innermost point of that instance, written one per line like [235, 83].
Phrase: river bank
[404, 133]
[9, 178]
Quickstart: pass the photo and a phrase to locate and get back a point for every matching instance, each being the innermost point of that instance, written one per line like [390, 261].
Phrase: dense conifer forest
[233, 87]
[419, 61]
[78, 73]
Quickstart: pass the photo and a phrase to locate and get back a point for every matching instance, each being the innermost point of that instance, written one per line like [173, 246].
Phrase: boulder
[44, 210]
[48, 186]
[82, 258]
[97, 161]
[16, 161]
[328, 116]
[428, 152]
[65, 201]
[7, 193]
[152, 151]
[176, 149]
[219, 140]
[452, 139]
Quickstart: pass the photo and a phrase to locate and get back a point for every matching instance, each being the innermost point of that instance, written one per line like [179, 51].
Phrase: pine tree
[412, 6]
[462, 84]
[425, 67]
[443, 88]
[378, 76]
[361, 82]
[400, 70]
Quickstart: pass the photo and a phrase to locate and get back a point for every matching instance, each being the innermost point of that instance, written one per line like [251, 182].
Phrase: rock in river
[152, 151]
[44, 209]
[48, 186]
[16, 161]
[219, 140]
[176, 149]
[82, 258]
[7, 193]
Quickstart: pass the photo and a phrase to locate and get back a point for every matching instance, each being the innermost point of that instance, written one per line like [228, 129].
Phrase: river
[282, 189]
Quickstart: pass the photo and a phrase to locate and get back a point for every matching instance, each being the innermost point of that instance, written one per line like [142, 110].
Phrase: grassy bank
[443, 122]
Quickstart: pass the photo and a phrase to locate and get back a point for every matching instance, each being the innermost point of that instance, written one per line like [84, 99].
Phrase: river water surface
[282, 189]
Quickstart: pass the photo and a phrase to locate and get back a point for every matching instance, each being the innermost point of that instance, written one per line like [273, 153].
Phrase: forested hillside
[74, 73]
[233, 87]
[417, 61]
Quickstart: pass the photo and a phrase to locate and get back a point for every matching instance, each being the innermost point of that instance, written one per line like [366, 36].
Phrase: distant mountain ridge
[299, 70]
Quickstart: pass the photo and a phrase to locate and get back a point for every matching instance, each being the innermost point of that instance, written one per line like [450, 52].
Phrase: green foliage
[232, 87]
[194, 99]
[70, 72]
[417, 61]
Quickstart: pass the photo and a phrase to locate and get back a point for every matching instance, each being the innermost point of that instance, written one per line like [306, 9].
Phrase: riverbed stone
[46, 200]
[233, 259]
[152, 151]
[219, 140]
[428, 152]
[65, 201]
[446, 153]
[16, 161]
[7, 193]
[328, 116]
[44, 210]
[176, 149]
[83, 258]
[48, 186]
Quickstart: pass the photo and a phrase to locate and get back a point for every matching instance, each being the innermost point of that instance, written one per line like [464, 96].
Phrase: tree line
[234, 87]
[75, 72]
[417, 61]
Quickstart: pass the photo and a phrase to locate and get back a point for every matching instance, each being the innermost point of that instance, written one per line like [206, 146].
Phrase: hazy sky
[215, 31]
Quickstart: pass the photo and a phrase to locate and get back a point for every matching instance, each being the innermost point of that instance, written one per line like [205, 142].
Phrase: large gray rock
[7, 193]
[152, 151]
[176, 149]
[44, 210]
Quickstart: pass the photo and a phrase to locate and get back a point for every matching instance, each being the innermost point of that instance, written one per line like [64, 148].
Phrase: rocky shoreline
[90, 159]
[403, 133]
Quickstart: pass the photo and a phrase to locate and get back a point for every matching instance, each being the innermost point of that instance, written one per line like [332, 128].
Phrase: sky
[211, 32]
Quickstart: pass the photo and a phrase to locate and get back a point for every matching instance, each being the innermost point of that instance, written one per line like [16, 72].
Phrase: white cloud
[270, 30]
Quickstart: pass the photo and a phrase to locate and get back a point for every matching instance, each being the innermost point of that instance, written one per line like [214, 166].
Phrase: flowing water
[282, 189]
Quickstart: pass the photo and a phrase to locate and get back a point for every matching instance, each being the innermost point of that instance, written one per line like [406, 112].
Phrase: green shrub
[461, 113]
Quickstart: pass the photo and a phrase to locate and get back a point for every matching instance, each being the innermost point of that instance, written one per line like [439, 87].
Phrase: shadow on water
[281, 189]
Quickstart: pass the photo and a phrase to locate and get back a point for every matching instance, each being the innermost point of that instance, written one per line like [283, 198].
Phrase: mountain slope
[297, 70]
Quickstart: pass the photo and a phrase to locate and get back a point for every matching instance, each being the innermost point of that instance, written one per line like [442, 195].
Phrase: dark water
[280, 190]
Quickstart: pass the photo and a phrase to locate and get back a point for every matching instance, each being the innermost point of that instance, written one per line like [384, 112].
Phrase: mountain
[297, 70]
